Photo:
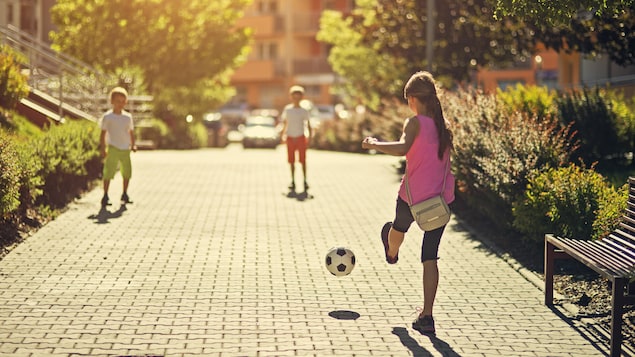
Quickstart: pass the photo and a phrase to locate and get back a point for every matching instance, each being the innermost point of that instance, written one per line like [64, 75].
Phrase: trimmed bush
[569, 201]
[9, 176]
[70, 160]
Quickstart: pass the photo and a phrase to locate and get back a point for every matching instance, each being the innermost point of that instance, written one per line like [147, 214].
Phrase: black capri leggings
[431, 239]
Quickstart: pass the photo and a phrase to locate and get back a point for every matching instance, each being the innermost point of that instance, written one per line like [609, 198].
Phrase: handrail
[63, 77]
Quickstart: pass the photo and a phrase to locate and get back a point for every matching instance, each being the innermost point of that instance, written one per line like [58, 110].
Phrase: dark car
[234, 114]
[260, 131]
[216, 130]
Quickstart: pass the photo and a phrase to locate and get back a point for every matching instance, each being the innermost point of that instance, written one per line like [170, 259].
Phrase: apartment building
[31, 16]
[286, 52]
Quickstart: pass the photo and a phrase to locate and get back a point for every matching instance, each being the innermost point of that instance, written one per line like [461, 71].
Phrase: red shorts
[298, 144]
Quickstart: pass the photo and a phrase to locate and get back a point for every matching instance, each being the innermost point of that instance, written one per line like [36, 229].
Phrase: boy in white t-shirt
[117, 130]
[295, 119]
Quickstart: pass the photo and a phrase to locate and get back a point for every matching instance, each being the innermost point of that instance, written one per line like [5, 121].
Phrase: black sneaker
[125, 198]
[424, 324]
[105, 201]
[384, 239]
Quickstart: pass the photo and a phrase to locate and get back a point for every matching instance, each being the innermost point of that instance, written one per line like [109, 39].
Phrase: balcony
[308, 23]
[263, 25]
[311, 66]
[259, 70]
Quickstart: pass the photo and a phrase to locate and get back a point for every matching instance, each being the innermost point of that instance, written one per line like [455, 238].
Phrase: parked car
[234, 114]
[216, 130]
[266, 112]
[260, 131]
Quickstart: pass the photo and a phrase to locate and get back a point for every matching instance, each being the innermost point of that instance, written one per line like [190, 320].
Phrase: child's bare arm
[396, 148]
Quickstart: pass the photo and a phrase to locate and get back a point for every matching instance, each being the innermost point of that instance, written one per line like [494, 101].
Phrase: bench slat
[595, 256]
[629, 221]
[606, 257]
[620, 247]
[623, 239]
[628, 224]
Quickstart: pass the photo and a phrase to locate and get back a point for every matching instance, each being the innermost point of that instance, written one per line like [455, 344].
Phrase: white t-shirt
[297, 118]
[117, 127]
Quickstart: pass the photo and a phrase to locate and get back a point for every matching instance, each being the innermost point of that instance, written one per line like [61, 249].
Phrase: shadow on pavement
[344, 315]
[417, 350]
[104, 214]
[594, 333]
[300, 196]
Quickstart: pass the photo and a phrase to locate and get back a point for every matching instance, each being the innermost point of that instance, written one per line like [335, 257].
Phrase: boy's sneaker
[424, 324]
[105, 201]
[125, 198]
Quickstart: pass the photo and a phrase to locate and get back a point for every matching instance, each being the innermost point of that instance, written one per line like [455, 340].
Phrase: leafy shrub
[13, 84]
[30, 182]
[603, 124]
[9, 176]
[70, 159]
[186, 136]
[152, 129]
[534, 101]
[495, 151]
[568, 201]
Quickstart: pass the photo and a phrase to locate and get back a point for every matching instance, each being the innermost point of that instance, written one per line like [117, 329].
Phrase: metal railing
[65, 78]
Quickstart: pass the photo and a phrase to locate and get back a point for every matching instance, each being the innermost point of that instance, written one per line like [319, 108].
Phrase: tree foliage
[586, 26]
[391, 36]
[559, 12]
[176, 44]
[612, 34]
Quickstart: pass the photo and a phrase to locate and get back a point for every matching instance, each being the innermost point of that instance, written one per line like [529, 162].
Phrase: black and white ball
[340, 261]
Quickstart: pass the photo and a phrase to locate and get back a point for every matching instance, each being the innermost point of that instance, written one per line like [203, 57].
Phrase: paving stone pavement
[212, 259]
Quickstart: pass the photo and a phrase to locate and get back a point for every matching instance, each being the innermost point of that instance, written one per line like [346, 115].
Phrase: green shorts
[114, 157]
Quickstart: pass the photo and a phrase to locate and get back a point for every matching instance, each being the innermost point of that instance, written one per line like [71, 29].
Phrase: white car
[260, 131]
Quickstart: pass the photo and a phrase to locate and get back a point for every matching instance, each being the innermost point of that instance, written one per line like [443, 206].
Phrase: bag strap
[445, 174]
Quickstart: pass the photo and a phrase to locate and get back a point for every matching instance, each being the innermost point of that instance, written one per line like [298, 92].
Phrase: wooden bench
[612, 257]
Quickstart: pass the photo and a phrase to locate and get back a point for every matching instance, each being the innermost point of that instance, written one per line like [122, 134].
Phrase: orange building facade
[546, 68]
[285, 52]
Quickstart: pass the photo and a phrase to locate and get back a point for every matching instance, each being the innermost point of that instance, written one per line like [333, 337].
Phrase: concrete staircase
[60, 86]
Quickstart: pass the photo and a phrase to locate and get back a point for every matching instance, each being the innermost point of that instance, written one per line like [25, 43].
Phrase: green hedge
[70, 160]
[48, 169]
[10, 174]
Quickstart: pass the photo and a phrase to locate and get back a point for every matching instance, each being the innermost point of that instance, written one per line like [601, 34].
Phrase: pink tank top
[424, 169]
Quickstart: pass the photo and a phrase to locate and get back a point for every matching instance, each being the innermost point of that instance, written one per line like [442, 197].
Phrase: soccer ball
[340, 261]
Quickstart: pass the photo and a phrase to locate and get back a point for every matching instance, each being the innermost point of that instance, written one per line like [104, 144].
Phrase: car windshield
[260, 121]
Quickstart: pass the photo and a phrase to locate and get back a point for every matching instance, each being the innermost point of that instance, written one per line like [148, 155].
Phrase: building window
[267, 51]
[10, 14]
[268, 6]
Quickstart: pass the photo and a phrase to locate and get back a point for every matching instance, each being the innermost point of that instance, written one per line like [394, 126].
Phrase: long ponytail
[421, 86]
